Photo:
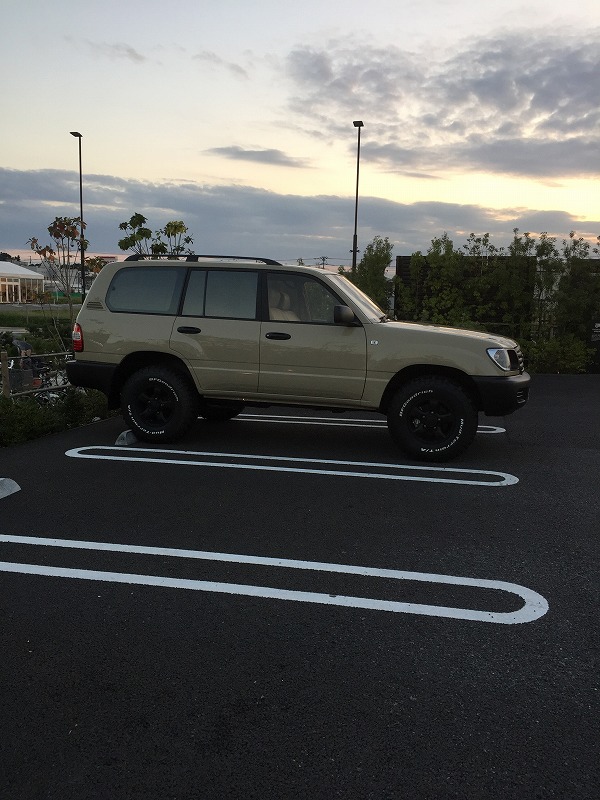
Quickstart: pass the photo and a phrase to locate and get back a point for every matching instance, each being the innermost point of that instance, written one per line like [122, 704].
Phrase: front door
[303, 353]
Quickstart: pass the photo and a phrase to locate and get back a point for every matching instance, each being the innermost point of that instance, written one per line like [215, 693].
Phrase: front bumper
[502, 395]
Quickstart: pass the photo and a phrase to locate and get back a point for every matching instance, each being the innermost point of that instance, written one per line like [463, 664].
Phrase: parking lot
[281, 606]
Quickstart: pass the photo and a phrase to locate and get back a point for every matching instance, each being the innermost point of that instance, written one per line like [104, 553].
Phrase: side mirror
[342, 315]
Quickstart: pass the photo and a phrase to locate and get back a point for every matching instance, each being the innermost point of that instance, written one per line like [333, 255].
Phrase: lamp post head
[358, 123]
[77, 134]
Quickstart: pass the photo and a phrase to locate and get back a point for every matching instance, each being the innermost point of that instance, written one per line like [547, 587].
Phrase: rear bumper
[502, 395]
[91, 375]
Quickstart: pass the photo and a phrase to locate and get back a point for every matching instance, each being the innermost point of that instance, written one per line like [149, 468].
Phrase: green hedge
[30, 417]
[564, 354]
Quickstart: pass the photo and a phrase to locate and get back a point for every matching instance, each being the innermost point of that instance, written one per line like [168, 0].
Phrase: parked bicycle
[37, 375]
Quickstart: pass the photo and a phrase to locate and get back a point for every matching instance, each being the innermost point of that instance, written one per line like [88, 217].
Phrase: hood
[491, 339]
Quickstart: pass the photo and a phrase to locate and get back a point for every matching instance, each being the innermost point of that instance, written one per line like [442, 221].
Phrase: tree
[141, 240]
[94, 264]
[62, 260]
[369, 274]
[578, 293]
[544, 297]
[445, 299]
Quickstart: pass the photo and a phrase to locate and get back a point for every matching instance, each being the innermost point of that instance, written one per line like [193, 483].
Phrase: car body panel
[316, 361]
[222, 356]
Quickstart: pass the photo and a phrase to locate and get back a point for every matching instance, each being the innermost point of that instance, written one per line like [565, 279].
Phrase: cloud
[112, 51]
[341, 78]
[271, 157]
[544, 159]
[214, 60]
[248, 221]
[524, 104]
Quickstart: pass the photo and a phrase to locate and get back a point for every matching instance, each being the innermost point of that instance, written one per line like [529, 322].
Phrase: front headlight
[505, 359]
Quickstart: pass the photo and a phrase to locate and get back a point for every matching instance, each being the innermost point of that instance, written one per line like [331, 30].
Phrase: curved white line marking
[535, 605]
[397, 472]
[8, 486]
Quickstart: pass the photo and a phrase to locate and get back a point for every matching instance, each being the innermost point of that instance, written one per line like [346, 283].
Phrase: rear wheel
[159, 404]
[432, 419]
[220, 410]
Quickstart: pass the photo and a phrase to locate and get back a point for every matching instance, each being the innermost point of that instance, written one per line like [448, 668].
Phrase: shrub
[565, 354]
[24, 419]
[29, 417]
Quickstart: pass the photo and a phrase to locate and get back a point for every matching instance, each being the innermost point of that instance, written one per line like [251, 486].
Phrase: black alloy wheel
[432, 419]
[159, 404]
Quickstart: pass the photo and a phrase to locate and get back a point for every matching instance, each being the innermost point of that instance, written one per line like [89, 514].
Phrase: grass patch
[10, 318]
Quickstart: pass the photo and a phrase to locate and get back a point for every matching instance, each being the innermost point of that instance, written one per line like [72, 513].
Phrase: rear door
[218, 330]
[303, 353]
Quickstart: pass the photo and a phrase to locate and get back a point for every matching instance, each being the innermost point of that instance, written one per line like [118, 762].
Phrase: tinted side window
[146, 290]
[320, 302]
[231, 294]
[193, 305]
[300, 298]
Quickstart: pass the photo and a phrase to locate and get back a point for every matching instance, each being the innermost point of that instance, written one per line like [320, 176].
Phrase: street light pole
[357, 124]
[81, 237]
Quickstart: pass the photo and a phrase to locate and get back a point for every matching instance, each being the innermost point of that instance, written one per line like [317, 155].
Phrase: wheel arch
[428, 370]
[135, 361]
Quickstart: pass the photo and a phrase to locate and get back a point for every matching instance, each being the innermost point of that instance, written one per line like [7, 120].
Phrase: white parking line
[327, 421]
[8, 486]
[535, 606]
[381, 471]
[343, 423]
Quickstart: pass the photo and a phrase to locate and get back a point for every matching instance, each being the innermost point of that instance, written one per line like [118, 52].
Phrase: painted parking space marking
[534, 607]
[326, 421]
[335, 422]
[312, 466]
[8, 486]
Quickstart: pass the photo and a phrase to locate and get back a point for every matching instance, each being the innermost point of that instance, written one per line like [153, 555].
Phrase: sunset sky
[236, 117]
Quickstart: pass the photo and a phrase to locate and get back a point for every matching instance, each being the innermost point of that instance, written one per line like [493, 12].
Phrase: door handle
[187, 329]
[274, 335]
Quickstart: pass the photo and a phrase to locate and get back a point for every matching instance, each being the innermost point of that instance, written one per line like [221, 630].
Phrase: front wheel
[159, 404]
[432, 419]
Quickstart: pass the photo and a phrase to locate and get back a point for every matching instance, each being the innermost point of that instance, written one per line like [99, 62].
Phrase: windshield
[365, 304]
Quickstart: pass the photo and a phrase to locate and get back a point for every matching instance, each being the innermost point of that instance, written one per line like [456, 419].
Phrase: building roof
[10, 270]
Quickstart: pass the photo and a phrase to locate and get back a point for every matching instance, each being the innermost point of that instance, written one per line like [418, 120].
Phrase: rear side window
[228, 294]
[146, 290]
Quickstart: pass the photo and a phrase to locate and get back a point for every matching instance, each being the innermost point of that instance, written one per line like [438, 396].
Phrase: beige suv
[171, 340]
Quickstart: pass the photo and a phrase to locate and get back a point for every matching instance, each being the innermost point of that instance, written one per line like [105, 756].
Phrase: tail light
[77, 337]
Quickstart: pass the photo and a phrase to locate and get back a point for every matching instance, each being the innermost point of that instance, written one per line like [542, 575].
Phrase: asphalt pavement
[282, 606]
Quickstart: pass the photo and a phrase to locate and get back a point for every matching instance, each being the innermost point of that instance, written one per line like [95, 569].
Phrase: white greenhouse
[18, 284]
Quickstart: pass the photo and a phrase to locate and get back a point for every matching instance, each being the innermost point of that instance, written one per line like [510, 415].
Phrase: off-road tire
[432, 419]
[159, 404]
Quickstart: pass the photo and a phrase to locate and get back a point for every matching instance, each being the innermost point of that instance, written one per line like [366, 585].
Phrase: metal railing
[38, 374]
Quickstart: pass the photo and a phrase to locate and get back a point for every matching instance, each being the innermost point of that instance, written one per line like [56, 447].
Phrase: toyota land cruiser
[173, 339]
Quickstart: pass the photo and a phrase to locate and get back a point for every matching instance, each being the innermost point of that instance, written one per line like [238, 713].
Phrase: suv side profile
[173, 339]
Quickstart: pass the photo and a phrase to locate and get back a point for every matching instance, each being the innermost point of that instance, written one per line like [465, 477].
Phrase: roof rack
[193, 257]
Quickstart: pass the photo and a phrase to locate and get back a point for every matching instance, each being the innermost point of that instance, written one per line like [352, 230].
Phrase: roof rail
[193, 257]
